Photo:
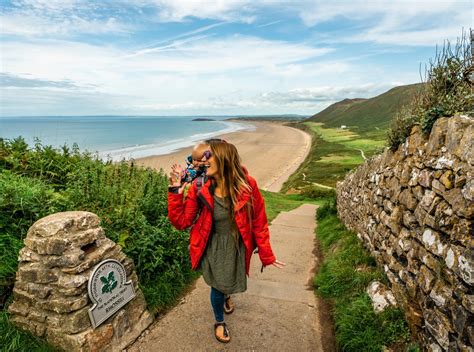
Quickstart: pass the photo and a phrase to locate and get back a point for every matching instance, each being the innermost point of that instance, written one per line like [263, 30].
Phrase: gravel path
[278, 312]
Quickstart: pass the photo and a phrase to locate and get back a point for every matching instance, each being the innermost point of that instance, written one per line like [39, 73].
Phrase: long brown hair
[230, 171]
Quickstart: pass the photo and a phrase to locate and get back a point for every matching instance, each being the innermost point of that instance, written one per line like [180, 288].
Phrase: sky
[195, 57]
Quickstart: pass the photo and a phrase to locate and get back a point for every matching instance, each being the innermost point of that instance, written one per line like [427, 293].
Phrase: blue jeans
[217, 302]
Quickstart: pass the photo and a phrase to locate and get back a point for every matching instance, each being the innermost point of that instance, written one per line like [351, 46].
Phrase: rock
[454, 135]
[427, 200]
[470, 334]
[409, 220]
[71, 323]
[443, 162]
[27, 255]
[426, 279]
[459, 315]
[414, 316]
[425, 178]
[50, 293]
[432, 242]
[468, 302]
[61, 224]
[395, 220]
[37, 290]
[438, 187]
[468, 190]
[437, 136]
[466, 266]
[447, 179]
[54, 246]
[441, 294]
[462, 206]
[418, 192]
[408, 199]
[19, 308]
[467, 146]
[434, 347]
[439, 326]
[381, 296]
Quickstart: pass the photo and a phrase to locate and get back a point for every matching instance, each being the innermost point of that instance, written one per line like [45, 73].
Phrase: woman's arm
[181, 214]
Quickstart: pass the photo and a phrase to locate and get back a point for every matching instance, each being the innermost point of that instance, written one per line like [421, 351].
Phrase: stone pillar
[50, 293]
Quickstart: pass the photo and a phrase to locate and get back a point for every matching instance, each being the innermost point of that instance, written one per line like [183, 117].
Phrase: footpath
[278, 312]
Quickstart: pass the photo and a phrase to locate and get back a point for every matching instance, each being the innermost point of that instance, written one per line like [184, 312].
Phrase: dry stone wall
[50, 293]
[413, 209]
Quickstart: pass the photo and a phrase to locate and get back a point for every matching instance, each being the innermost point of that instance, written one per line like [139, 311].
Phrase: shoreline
[271, 152]
[138, 152]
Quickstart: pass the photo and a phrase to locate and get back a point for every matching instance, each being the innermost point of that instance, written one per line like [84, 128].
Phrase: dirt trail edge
[278, 312]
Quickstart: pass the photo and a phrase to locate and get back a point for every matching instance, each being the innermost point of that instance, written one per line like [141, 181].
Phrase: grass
[367, 114]
[333, 153]
[13, 339]
[343, 277]
[278, 202]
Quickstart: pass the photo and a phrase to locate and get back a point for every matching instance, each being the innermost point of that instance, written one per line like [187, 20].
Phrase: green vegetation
[16, 340]
[278, 202]
[367, 115]
[343, 278]
[448, 90]
[131, 202]
[333, 153]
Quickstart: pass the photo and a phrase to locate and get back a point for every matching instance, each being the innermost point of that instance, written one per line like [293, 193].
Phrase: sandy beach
[271, 153]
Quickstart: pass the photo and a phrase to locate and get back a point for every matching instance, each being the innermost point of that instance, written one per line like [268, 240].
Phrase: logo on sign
[109, 290]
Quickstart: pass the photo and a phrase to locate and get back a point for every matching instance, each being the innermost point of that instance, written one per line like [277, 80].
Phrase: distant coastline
[119, 137]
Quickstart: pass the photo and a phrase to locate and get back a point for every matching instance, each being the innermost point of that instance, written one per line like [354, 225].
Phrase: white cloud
[227, 10]
[183, 76]
[299, 100]
[399, 22]
[184, 71]
[33, 18]
[86, 63]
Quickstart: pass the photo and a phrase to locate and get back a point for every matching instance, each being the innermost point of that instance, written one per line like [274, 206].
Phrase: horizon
[136, 115]
[235, 58]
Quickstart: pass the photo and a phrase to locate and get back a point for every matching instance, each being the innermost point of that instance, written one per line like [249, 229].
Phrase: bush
[131, 202]
[22, 202]
[448, 89]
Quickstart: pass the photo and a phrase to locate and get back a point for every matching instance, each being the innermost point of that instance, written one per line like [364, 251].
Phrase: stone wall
[50, 293]
[413, 209]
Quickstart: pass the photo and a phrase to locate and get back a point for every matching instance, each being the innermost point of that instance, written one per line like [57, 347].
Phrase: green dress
[223, 261]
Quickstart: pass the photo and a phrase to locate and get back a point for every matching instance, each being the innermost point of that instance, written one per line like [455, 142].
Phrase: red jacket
[183, 214]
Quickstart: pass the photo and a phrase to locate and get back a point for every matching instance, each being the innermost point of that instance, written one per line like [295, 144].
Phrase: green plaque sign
[109, 290]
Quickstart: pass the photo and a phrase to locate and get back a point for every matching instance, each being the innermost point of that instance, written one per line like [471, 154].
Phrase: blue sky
[186, 57]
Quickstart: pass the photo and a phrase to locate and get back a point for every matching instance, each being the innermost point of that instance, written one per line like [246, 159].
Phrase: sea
[118, 137]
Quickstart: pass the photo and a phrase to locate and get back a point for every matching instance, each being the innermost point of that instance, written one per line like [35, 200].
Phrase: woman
[231, 223]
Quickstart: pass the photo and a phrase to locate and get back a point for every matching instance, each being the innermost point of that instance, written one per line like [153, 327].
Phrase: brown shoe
[221, 332]
[228, 305]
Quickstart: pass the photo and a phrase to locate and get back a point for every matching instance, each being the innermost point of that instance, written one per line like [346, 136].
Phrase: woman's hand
[176, 175]
[278, 264]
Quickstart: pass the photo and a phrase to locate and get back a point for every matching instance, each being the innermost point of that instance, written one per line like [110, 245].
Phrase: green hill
[367, 114]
